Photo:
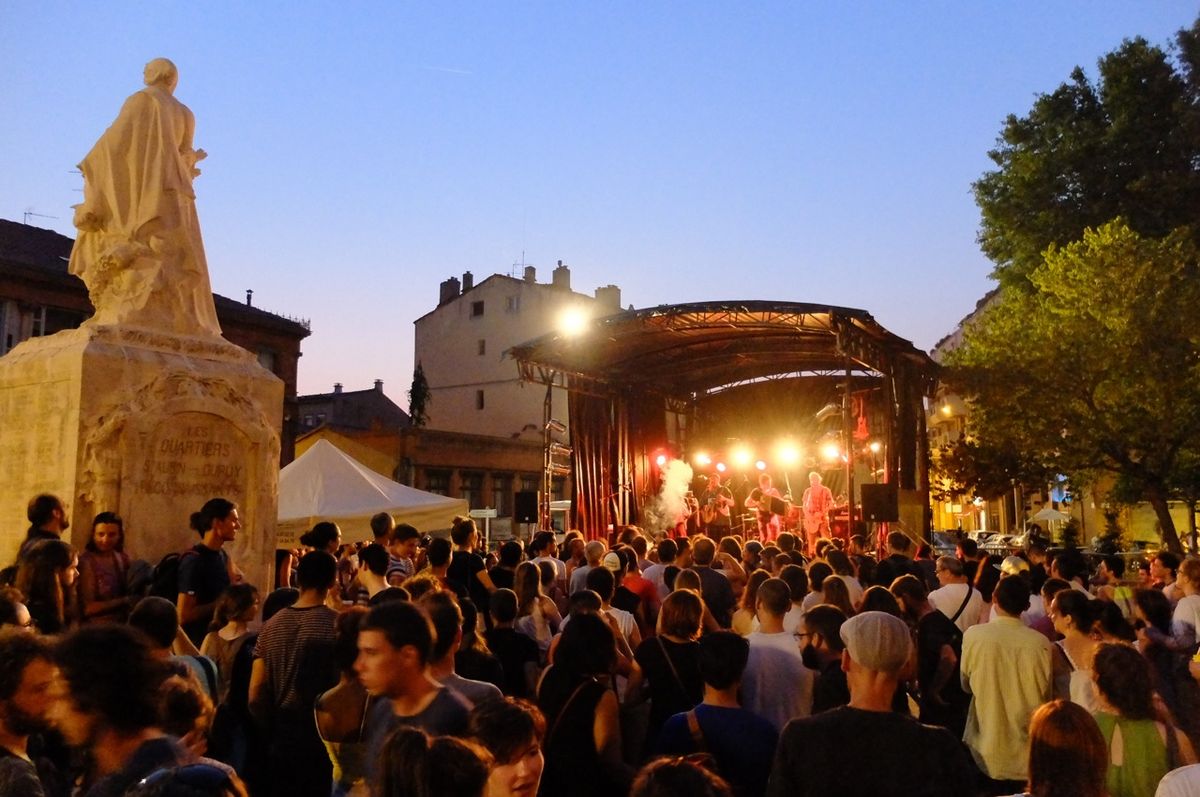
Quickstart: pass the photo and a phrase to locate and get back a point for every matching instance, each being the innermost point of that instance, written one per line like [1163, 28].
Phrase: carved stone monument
[145, 409]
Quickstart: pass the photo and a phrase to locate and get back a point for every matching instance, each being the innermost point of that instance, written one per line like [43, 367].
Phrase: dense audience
[642, 665]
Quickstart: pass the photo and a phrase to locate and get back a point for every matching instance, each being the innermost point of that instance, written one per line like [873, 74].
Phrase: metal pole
[847, 439]
[547, 476]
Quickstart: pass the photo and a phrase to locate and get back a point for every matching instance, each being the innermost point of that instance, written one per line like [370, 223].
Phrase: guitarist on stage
[760, 501]
[817, 504]
[715, 503]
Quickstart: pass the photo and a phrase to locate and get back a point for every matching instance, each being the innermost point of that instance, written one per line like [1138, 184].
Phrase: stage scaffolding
[624, 371]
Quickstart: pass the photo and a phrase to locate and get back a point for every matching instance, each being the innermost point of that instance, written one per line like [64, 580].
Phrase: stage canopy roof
[705, 347]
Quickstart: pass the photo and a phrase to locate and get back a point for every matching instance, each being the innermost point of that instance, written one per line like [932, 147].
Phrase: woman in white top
[1074, 616]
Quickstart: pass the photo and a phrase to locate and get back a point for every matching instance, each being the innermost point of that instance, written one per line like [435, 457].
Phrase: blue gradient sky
[360, 153]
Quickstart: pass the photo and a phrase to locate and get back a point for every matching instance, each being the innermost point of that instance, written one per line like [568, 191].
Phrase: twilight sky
[360, 153]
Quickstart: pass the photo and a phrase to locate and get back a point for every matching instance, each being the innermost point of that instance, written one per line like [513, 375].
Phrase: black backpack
[165, 583]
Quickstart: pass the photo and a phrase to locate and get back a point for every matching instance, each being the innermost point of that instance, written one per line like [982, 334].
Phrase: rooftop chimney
[468, 281]
[249, 296]
[561, 278]
[378, 385]
[448, 291]
[530, 274]
[337, 388]
[609, 298]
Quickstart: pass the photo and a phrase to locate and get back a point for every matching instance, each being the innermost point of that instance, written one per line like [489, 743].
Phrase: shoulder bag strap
[563, 710]
[671, 664]
[693, 723]
[962, 608]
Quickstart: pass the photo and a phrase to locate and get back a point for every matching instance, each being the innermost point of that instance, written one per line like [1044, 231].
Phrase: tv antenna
[30, 214]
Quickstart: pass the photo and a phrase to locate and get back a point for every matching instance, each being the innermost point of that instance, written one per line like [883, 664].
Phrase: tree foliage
[1126, 145]
[968, 467]
[1095, 366]
[419, 397]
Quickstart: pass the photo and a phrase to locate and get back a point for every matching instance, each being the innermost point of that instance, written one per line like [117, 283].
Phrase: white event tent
[325, 483]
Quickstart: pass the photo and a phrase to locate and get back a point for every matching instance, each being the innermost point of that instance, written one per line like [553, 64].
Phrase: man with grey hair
[907, 758]
[956, 598]
[593, 553]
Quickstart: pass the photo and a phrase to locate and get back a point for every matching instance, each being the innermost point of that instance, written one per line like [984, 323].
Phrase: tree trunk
[1170, 538]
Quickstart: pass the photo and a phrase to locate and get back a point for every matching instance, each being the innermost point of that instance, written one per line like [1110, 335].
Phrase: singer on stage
[817, 504]
[715, 503]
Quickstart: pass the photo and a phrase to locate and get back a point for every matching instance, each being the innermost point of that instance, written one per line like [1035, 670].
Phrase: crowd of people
[416, 665]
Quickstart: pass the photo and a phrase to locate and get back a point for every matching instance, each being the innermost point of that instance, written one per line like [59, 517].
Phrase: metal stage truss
[624, 372]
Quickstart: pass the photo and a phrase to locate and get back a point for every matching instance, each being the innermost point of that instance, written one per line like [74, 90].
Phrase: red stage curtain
[592, 438]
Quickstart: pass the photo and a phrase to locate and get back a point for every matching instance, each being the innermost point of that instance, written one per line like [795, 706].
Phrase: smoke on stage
[666, 508]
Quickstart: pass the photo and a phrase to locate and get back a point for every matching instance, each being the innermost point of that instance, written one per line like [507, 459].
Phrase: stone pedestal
[145, 423]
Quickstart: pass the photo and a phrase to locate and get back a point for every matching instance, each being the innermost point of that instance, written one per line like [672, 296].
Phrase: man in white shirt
[544, 547]
[655, 573]
[1006, 667]
[776, 685]
[956, 598]
[593, 552]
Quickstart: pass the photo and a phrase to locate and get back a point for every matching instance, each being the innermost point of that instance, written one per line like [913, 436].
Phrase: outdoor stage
[737, 387]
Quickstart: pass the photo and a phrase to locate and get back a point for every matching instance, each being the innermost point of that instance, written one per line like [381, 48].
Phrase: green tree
[419, 397]
[1095, 368]
[1126, 145]
[968, 468]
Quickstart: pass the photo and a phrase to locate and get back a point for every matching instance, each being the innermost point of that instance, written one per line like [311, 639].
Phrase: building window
[558, 488]
[308, 421]
[478, 399]
[320, 418]
[482, 347]
[437, 481]
[530, 483]
[502, 488]
[266, 358]
[512, 304]
[470, 488]
[476, 309]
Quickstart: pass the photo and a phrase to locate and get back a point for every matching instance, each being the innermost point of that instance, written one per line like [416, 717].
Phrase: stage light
[742, 457]
[875, 446]
[760, 465]
[831, 451]
[721, 467]
[661, 460]
[573, 321]
[788, 454]
[946, 410]
[703, 460]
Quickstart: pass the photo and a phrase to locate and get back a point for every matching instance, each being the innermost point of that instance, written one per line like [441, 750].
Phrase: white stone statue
[139, 248]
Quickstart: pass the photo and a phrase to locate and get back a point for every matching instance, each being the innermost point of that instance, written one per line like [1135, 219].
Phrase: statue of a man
[139, 248]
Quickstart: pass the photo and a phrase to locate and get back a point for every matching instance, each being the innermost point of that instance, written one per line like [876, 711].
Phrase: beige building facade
[462, 346]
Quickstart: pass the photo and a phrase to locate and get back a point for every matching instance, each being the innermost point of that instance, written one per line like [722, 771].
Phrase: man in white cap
[906, 757]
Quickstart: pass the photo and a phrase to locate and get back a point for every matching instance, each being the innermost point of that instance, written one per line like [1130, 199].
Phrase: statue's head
[161, 72]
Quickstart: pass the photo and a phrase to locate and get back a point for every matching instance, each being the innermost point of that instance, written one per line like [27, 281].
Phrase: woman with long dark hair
[583, 743]
[46, 577]
[103, 570]
[1141, 747]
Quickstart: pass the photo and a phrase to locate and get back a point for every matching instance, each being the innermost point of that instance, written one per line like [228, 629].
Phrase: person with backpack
[205, 570]
[939, 651]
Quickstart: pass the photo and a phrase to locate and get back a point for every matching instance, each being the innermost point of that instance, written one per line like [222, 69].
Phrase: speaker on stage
[525, 506]
[880, 503]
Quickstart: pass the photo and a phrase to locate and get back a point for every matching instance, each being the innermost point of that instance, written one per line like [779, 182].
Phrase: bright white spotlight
[661, 460]
[875, 446]
[831, 451]
[573, 321]
[703, 460]
[787, 454]
[760, 465]
[742, 457]
[721, 467]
